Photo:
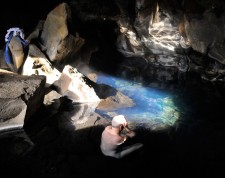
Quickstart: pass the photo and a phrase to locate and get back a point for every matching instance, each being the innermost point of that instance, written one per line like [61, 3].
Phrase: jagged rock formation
[21, 97]
[52, 65]
[157, 42]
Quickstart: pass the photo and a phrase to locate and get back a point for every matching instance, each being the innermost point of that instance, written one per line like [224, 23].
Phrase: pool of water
[153, 106]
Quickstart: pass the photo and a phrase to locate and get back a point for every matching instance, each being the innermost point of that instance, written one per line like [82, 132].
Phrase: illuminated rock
[74, 85]
[56, 36]
[41, 66]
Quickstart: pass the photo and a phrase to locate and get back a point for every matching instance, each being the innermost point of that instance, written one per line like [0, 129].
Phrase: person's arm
[129, 132]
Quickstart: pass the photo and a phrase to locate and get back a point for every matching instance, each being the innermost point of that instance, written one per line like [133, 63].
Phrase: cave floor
[193, 147]
[197, 150]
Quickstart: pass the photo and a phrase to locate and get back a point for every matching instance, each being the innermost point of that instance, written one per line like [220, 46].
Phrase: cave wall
[26, 14]
[97, 19]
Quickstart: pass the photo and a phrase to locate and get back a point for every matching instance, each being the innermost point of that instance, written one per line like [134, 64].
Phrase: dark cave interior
[195, 149]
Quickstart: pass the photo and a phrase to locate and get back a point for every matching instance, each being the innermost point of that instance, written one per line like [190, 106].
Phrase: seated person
[112, 139]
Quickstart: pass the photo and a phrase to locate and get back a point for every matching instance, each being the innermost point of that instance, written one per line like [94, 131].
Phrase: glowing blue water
[151, 105]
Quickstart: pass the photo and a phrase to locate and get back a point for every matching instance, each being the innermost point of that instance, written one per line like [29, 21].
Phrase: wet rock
[111, 99]
[183, 64]
[217, 52]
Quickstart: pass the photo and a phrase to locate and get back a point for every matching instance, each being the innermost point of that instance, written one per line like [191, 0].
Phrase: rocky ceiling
[166, 33]
[26, 14]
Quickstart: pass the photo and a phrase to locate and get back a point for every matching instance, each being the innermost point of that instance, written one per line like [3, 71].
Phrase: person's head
[119, 121]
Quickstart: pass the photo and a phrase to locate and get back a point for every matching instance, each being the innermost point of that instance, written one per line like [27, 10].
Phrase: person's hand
[130, 133]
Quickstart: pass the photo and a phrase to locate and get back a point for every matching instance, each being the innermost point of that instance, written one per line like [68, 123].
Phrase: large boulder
[60, 43]
[20, 98]
[75, 86]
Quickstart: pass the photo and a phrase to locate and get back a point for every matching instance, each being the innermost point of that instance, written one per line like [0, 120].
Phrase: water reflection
[152, 106]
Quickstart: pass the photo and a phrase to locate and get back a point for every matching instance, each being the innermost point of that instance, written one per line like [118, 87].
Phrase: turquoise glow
[152, 106]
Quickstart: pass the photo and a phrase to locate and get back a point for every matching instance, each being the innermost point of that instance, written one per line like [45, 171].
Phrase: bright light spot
[163, 34]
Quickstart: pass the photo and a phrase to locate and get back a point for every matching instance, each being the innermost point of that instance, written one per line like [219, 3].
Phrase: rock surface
[21, 97]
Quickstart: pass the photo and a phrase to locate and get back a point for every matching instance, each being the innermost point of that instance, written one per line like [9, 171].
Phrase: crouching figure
[115, 135]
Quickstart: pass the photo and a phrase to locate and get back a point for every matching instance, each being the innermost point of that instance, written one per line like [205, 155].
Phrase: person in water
[113, 138]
